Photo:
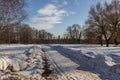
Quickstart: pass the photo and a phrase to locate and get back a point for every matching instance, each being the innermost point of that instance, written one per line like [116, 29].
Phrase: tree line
[104, 22]
[102, 26]
[12, 28]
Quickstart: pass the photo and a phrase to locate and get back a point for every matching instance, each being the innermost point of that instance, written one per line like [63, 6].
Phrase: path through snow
[67, 69]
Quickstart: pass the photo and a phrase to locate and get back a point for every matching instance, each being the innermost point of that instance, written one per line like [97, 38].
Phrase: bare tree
[26, 35]
[11, 13]
[92, 35]
[74, 32]
[112, 17]
[107, 19]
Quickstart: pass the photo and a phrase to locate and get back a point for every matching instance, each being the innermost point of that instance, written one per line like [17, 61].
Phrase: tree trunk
[79, 41]
[107, 43]
[101, 42]
[115, 41]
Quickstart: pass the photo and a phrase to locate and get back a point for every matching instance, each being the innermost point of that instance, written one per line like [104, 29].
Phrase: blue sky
[56, 15]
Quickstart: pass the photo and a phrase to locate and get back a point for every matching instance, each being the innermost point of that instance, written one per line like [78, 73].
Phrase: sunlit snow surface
[101, 61]
[67, 62]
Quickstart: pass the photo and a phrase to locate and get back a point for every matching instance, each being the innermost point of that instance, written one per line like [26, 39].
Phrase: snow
[99, 59]
[67, 69]
[19, 59]
[62, 62]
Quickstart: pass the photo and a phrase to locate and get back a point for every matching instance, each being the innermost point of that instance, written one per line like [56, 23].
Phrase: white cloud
[48, 16]
[51, 10]
[48, 10]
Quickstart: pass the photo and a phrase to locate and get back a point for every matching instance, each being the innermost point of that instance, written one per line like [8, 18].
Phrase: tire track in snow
[56, 67]
[61, 63]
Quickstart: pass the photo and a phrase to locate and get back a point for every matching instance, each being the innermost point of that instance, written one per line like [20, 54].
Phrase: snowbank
[101, 59]
[27, 62]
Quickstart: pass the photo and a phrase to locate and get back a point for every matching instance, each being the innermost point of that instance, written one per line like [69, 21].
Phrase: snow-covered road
[66, 68]
[85, 62]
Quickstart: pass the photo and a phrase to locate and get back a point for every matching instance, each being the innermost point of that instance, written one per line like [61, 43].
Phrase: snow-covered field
[59, 62]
